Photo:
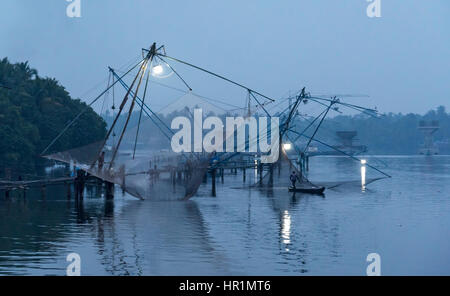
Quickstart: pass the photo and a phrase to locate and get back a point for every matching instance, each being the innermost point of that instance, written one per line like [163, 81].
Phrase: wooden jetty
[13, 185]
[7, 186]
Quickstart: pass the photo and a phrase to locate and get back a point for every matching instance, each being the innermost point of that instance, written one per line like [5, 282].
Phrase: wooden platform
[12, 185]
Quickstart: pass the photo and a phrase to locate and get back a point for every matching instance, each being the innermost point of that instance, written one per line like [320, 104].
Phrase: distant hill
[33, 110]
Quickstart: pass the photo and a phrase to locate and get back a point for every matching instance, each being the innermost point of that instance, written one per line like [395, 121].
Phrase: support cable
[85, 110]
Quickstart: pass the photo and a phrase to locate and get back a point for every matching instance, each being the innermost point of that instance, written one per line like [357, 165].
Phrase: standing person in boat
[294, 177]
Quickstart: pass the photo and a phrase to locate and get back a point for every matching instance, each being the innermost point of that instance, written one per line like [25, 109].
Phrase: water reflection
[363, 175]
[286, 229]
[155, 232]
[258, 231]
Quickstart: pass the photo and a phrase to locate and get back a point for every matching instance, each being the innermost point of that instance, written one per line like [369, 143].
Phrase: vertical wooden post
[68, 191]
[221, 174]
[82, 185]
[109, 190]
[243, 175]
[213, 182]
[43, 191]
[76, 185]
[174, 177]
[271, 174]
[260, 171]
[122, 174]
[81, 190]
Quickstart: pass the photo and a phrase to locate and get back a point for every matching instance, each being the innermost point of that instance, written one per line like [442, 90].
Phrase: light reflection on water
[405, 219]
[363, 178]
[286, 228]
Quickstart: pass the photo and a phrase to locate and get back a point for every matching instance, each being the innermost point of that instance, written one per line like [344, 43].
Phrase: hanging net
[152, 171]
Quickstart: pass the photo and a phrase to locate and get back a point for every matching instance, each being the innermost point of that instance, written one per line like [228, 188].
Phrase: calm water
[405, 219]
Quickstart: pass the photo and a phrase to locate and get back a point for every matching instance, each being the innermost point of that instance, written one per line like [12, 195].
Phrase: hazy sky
[402, 60]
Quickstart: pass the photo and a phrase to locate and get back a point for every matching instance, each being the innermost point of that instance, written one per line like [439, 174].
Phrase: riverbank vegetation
[33, 110]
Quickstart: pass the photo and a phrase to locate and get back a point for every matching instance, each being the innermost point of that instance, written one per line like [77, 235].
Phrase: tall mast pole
[141, 71]
[141, 74]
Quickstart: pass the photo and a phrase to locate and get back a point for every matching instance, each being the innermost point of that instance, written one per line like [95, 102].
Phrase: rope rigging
[159, 55]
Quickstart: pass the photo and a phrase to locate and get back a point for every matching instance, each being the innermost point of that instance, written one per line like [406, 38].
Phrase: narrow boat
[310, 190]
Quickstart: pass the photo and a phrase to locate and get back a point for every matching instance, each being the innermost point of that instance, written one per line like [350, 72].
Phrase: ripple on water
[242, 231]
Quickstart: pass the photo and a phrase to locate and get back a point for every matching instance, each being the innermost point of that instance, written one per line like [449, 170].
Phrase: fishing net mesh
[143, 164]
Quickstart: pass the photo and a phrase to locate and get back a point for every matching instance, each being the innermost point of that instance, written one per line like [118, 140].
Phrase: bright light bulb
[157, 70]
[363, 161]
[287, 146]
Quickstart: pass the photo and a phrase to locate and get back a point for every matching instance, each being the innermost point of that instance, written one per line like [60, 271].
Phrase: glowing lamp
[287, 146]
[157, 70]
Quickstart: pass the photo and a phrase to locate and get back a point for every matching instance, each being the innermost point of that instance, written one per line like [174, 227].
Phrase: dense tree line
[389, 133]
[33, 110]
